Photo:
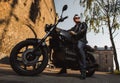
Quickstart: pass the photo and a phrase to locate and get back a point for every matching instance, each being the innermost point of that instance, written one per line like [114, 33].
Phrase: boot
[63, 71]
[83, 75]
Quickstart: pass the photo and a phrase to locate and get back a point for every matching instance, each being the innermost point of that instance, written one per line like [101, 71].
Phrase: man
[79, 32]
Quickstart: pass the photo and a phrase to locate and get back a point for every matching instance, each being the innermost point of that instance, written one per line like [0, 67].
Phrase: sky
[99, 39]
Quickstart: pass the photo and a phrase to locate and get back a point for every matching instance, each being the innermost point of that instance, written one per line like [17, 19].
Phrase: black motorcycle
[30, 57]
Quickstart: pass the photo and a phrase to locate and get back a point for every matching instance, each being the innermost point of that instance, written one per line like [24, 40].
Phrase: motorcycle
[30, 57]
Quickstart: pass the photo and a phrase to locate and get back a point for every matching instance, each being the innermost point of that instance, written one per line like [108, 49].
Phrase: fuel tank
[66, 35]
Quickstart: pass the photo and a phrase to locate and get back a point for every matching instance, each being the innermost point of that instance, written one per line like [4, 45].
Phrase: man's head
[76, 18]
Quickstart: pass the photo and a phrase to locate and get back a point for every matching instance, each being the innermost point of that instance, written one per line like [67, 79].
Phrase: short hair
[76, 15]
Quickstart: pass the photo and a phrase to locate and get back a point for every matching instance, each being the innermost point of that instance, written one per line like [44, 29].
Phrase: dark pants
[82, 61]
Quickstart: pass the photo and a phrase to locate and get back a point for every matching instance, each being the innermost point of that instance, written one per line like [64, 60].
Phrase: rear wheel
[25, 62]
[90, 62]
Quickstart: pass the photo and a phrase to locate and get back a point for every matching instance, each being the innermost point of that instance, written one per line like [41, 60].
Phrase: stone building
[104, 57]
[17, 15]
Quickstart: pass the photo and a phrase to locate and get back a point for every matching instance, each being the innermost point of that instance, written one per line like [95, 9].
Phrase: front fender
[34, 39]
[44, 45]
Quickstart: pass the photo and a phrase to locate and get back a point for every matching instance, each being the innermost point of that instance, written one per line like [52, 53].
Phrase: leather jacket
[80, 29]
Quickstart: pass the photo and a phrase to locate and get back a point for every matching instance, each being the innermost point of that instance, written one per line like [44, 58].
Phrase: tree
[103, 13]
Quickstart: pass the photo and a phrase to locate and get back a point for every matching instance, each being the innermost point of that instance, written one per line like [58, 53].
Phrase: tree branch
[102, 7]
[114, 16]
[114, 31]
[115, 35]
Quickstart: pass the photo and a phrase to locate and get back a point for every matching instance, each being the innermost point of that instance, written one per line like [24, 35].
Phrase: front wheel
[24, 62]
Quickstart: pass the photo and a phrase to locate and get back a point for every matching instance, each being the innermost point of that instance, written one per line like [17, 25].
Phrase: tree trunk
[114, 50]
[113, 45]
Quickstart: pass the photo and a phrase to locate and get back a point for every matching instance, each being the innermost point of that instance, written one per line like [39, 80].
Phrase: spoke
[39, 61]
[38, 65]
[21, 64]
[19, 58]
[24, 67]
[19, 61]
[20, 52]
[26, 48]
[34, 67]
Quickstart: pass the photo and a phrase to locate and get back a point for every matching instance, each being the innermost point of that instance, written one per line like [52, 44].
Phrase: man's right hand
[73, 33]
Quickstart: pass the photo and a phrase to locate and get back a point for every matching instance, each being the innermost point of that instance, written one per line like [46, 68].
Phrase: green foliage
[97, 13]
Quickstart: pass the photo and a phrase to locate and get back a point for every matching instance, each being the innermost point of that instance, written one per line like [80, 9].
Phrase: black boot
[63, 71]
[83, 75]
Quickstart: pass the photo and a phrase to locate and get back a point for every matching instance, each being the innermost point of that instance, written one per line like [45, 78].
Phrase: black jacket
[81, 30]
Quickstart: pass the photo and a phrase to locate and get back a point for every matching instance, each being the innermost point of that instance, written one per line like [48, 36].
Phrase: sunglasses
[77, 17]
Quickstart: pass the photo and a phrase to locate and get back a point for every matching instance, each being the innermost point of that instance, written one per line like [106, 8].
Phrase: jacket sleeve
[72, 29]
[83, 29]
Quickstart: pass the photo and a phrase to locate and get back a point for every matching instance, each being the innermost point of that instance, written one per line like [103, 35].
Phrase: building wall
[104, 57]
[15, 15]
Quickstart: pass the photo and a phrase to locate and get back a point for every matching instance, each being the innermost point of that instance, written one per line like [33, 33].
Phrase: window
[106, 61]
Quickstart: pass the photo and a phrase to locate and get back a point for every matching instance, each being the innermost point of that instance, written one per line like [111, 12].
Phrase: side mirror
[64, 8]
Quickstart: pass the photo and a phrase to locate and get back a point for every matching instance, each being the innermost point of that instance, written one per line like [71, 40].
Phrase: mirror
[64, 7]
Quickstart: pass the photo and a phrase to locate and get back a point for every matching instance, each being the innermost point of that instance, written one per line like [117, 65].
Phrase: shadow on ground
[65, 75]
[6, 70]
[5, 60]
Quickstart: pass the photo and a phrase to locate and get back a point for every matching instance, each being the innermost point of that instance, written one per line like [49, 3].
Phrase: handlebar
[65, 17]
[62, 19]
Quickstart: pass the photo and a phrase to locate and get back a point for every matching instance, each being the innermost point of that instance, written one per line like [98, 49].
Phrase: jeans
[82, 61]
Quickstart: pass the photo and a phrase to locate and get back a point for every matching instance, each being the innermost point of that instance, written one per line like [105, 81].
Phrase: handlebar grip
[65, 17]
[62, 19]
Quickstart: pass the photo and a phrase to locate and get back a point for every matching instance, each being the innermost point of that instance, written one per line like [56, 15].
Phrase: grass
[117, 72]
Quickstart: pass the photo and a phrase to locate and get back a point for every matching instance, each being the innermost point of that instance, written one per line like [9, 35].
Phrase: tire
[90, 61]
[17, 61]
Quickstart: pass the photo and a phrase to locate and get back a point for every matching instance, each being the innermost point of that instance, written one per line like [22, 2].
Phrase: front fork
[40, 44]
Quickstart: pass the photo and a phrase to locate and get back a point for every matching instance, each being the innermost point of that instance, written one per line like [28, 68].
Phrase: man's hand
[73, 33]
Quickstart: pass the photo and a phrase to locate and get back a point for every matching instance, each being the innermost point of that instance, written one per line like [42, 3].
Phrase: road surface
[7, 75]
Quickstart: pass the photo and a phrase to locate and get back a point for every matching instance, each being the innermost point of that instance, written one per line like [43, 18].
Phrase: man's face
[76, 19]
